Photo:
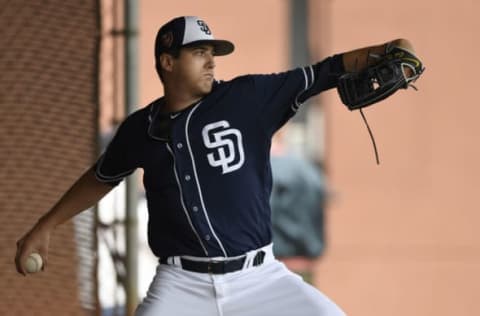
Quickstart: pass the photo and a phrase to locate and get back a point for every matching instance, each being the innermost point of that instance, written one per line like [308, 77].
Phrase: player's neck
[176, 103]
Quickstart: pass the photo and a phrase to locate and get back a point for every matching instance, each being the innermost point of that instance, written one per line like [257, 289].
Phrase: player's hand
[407, 45]
[36, 240]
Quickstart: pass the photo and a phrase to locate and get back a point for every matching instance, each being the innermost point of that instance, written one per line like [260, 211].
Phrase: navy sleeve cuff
[337, 64]
[110, 182]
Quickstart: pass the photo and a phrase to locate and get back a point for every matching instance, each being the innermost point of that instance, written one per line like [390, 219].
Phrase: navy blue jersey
[207, 172]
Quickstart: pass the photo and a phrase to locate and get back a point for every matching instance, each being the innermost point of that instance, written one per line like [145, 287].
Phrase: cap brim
[221, 47]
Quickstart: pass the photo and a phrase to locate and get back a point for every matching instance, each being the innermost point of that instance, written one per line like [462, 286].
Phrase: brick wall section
[48, 115]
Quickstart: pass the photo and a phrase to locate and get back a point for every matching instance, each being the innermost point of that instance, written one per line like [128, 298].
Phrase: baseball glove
[376, 82]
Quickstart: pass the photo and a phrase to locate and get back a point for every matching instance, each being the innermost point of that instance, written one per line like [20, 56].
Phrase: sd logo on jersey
[227, 144]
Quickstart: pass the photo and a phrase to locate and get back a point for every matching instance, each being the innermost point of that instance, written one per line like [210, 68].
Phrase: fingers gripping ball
[34, 263]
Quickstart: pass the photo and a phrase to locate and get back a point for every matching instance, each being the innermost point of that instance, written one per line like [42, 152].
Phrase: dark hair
[174, 53]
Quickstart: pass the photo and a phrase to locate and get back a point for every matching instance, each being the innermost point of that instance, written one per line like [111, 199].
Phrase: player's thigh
[305, 299]
[277, 291]
[176, 292]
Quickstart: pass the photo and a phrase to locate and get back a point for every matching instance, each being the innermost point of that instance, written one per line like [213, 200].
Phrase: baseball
[34, 263]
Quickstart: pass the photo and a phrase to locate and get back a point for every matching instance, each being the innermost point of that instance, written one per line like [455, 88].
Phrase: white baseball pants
[266, 290]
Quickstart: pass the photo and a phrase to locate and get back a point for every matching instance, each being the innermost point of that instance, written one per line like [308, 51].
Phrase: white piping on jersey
[103, 178]
[312, 75]
[198, 182]
[151, 119]
[183, 203]
[297, 105]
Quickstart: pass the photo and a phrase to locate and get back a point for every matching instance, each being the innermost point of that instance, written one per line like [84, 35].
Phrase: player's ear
[166, 62]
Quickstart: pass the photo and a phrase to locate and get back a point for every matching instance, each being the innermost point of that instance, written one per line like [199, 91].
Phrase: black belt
[218, 267]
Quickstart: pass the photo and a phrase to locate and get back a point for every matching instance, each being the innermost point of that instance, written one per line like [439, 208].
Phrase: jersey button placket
[184, 167]
[191, 192]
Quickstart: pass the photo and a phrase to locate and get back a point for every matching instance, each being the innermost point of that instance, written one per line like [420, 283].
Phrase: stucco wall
[403, 235]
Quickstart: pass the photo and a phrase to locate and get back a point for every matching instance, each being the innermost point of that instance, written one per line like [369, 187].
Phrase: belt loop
[249, 258]
[246, 264]
[177, 261]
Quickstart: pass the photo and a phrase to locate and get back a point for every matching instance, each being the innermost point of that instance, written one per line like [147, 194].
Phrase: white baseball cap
[185, 31]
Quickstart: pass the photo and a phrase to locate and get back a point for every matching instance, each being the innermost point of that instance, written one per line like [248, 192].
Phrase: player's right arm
[84, 193]
[119, 160]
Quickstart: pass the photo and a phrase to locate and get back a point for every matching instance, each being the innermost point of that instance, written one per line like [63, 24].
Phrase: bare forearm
[359, 59]
[83, 194]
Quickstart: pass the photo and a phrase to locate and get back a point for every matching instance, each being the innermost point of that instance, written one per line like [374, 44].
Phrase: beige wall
[402, 235]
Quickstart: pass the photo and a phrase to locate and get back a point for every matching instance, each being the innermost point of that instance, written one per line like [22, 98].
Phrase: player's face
[195, 69]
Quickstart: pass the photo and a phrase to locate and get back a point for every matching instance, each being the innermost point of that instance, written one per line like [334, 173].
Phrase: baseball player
[204, 148]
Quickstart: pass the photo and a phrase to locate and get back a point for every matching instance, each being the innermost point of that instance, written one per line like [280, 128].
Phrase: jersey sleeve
[120, 159]
[280, 95]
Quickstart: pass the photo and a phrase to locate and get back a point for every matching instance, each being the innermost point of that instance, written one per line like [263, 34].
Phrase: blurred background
[395, 239]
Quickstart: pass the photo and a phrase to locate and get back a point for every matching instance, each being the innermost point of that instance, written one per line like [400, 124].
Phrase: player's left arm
[359, 59]
[328, 72]
[280, 95]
